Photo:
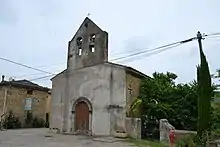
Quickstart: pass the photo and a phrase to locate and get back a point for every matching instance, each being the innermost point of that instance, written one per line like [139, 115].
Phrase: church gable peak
[87, 23]
[89, 46]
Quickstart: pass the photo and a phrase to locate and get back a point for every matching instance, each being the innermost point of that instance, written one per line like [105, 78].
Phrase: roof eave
[40, 88]
[58, 74]
[136, 73]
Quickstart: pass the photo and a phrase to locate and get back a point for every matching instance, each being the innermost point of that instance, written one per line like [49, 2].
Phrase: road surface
[44, 138]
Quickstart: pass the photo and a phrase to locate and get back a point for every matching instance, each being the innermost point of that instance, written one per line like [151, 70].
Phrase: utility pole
[199, 37]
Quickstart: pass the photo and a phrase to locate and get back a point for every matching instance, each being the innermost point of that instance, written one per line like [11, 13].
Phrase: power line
[166, 47]
[54, 64]
[142, 50]
[154, 49]
[126, 60]
[34, 74]
[158, 49]
[212, 34]
[147, 55]
[17, 63]
[42, 77]
[25, 75]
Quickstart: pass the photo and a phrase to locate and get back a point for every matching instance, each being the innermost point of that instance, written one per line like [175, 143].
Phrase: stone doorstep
[107, 139]
[104, 139]
[100, 138]
[86, 133]
[120, 135]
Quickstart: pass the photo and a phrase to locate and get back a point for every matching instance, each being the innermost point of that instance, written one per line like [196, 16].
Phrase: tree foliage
[205, 92]
[163, 99]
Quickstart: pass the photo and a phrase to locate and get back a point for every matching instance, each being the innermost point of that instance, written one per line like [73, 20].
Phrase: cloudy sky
[36, 33]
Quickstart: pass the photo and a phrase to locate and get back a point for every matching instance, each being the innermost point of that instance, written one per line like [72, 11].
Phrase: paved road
[43, 138]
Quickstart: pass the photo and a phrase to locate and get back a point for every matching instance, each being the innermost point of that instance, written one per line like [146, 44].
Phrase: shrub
[38, 123]
[11, 122]
[28, 119]
[186, 141]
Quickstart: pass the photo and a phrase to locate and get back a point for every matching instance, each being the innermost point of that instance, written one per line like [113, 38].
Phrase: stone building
[93, 95]
[22, 96]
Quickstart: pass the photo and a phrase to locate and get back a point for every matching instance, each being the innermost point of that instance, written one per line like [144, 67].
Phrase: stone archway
[82, 116]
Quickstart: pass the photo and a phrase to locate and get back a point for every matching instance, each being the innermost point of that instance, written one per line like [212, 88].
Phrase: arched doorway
[81, 117]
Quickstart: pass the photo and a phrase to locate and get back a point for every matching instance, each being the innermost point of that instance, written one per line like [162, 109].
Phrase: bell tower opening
[88, 47]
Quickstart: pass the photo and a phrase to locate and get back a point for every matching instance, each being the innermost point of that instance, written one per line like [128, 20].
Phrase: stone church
[92, 95]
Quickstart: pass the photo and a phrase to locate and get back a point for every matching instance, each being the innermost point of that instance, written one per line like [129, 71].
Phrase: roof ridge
[24, 83]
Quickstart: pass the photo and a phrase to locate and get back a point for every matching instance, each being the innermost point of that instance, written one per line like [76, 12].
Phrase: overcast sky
[36, 33]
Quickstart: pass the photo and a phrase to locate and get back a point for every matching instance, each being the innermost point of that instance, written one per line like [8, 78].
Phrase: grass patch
[217, 95]
[145, 143]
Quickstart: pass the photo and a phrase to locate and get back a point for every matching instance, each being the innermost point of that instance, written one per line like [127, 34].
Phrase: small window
[92, 48]
[29, 91]
[80, 51]
[79, 41]
[92, 38]
[28, 104]
[79, 45]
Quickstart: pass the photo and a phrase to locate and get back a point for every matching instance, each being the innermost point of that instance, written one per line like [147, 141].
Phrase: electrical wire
[34, 74]
[212, 34]
[123, 58]
[154, 49]
[17, 63]
[49, 65]
[41, 77]
[147, 55]
[26, 75]
[162, 48]
[133, 54]
[141, 52]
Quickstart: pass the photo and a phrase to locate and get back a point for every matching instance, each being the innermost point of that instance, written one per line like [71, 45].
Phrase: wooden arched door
[82, 117]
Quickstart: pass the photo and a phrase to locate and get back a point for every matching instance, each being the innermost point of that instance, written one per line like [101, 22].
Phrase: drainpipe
[4, 108]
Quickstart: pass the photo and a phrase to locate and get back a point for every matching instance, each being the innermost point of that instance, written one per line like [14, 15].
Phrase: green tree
[205, 92]
[161, 98]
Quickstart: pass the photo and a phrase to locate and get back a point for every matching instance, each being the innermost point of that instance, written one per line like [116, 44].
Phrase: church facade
[92, 96]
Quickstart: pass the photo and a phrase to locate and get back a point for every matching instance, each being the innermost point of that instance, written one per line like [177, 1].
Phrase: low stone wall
[165, 128]
[133, 127]
[213, 144]
[181, 133]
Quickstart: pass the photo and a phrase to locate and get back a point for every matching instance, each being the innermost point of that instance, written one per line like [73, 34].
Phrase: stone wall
[15, 101]
[165, 128]
[133, 127]
[132, 92]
